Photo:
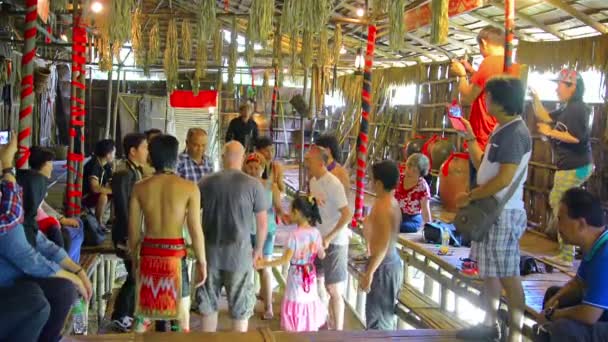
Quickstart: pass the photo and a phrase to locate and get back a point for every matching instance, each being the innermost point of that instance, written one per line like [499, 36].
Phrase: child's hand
[259, 263]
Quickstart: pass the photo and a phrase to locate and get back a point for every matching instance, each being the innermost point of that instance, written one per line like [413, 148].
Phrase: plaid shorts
[497, 254]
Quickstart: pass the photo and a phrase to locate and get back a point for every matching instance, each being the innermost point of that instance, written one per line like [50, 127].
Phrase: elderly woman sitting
[413, 193]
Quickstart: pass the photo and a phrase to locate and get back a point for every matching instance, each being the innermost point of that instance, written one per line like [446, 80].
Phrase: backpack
[93, 233]
[432, 234]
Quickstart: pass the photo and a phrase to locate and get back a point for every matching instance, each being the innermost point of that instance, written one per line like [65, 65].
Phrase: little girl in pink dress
[302, 309]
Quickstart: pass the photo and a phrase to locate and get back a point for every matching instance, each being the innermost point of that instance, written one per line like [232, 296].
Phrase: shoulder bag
[474, 220]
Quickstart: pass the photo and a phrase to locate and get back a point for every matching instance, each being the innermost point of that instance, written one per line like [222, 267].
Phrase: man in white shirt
[335, 214]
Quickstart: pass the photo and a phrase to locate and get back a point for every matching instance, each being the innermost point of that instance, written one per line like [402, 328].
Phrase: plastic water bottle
[445, 238]
[79, 317]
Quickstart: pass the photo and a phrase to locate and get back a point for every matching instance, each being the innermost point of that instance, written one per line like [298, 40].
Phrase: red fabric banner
[187, 99]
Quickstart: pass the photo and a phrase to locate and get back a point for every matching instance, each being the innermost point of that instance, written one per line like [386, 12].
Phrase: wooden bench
[420, 311]
[265, 335]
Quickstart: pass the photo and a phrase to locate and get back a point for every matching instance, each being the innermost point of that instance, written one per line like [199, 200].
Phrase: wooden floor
[267, 336]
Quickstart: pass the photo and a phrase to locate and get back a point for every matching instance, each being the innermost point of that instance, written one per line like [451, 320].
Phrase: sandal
[267, 316]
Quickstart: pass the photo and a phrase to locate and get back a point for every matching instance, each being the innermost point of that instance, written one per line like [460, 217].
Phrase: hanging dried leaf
[323, 58]
[137, 42]
[104, 51]
[440, 21]
[233, 57]
[316, 14]
[260, 21]
[277, 53]
[307, 49]
[337, 44]
[249, 52]
[267, 91]
[171, 58]
[200, 66]
[115, 26]
[396, 27]
[154, 43]
[381, 6]
[218, 44]
[293, 50]
[59, 5]
[186, 40]
[207, 23]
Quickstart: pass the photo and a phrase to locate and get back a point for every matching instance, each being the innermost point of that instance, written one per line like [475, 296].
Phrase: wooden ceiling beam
[601, 28]
[501, 26]
[528, 19]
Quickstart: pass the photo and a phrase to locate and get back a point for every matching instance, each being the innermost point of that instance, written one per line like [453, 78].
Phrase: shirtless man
[384, 272]
[165, 199]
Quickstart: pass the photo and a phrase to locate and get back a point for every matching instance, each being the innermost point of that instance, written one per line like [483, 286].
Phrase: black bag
[528, 265]
[93, 233]
[432, 234]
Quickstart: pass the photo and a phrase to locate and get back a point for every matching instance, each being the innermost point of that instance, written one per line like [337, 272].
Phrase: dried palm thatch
[267, 91]
[260, 20]
[581, 54]
[186, 40]
[137, 42]
[59, 5]
[171, 58]
[293, 51]
[310, 15]
[234, 55]
[104, 51]
[218, 44]
[396, 25]
[249, 52]
[440, 21]
[206, 24]
[337, 44]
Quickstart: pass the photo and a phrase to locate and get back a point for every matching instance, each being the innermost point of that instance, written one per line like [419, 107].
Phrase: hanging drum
[453, 179]
[440, 152]
[414, 145]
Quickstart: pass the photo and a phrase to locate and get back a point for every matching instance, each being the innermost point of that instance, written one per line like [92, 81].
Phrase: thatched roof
[540, 22]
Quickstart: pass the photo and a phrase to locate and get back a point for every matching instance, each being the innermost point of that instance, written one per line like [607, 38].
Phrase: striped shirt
[189, 169]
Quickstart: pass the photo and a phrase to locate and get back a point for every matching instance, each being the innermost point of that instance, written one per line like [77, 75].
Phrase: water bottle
[79, 317]
[445, 239]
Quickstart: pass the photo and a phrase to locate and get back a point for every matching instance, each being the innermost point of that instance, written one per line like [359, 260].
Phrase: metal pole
[363, 128]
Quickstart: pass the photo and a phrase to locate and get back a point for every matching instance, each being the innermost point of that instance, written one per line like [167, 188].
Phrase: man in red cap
[569, 131]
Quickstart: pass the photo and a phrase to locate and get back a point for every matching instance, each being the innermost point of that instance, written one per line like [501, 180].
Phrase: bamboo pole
[109, 103]
[363, 127]
[116, 103]
[301, 164]
[26, 106]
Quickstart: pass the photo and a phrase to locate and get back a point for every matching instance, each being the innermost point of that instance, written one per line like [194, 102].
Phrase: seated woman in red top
[413, 193]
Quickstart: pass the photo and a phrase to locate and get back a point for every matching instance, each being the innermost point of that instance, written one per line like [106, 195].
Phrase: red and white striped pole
[77, 117]
[363, 128]
[509, 35]
[26, 107]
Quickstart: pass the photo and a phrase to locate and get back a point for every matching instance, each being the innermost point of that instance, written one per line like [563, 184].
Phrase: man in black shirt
[136, 149]
[243, 129]
[97, 174]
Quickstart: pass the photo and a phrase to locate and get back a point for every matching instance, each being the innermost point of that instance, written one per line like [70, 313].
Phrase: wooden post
[109, 103]
[363, 127]
[77, 100]
[509, 34]
[116, 103]
[26, 107]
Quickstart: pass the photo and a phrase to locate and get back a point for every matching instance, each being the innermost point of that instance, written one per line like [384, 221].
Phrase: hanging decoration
[277, 54]
[396, 25]
[362, 140]
[337, 44]
[440, 21]
[309, 15]
[26, 106]
[207, 24]
[200, 65]
[137, 42]
[186, 40]
[153, 47]
[115, 25]
[59, 5]
[382, 6]
[75, 158]
[266, 85]
[171, 59]
[233, 57]
[324, 57]
[259, 25]
[218, 44]
[307, 49]
[249, 52]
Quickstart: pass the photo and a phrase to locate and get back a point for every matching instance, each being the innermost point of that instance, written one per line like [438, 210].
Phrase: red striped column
[363, 128]
[26, 107]
[77, 117]
[509, 34]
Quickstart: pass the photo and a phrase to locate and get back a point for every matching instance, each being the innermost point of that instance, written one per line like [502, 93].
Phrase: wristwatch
[549, 313]
[10, 170]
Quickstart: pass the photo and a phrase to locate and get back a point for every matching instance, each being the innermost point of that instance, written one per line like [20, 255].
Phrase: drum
[453, 179]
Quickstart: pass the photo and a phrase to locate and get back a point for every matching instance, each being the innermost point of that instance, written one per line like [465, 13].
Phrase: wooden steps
[423, 312]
